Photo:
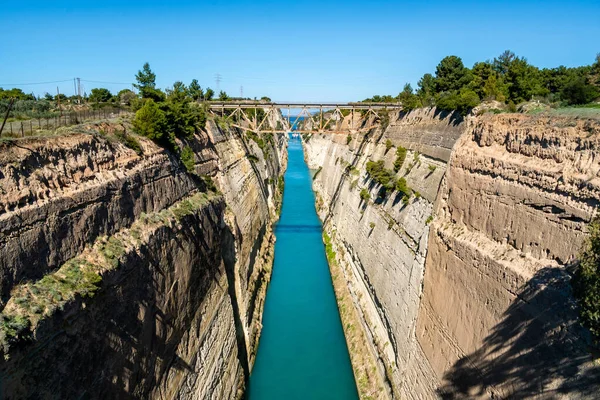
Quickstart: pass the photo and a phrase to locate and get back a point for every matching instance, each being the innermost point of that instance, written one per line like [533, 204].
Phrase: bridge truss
[312, 118]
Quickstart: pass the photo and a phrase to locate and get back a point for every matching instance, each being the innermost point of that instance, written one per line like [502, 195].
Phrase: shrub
[379, 174]
[400, 157]
[129, 141]
[187, 158]
[428, 220]
[150, 121]
[372, 225]
[348, 139]
[364, 194]
[388, 145]
[586, 283]
[432, 167]
[402, 187]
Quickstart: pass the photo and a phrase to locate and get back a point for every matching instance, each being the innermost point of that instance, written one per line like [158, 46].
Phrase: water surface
[302, 352]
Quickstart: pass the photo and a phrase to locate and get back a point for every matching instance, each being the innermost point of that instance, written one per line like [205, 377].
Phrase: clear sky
[288, 50]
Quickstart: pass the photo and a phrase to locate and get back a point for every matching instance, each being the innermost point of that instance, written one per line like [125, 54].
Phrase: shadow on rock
[539, 349]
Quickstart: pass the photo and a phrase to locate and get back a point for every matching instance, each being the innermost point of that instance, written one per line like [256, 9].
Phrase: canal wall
[462, 289]
[124, 275]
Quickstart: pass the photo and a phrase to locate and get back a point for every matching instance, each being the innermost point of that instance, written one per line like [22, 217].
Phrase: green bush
[130, 141]
[187, 158]
[400, 157]
[364, 194]
[382, 176]
[150, 121]
[402, 187]
[348, 139]
[388, 145]
[586, 283]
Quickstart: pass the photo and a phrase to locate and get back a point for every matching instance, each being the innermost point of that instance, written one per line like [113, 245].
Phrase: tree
[504, 61]
[487, 82]
[48, 96]
[146, 84]
[586, 283]
[150, 121]
[209, 94]
[451, 74]
[426, 90]
[126, 96]
[16, 94]
[179, 92]
[578, 91]
[100, 95]
[223, 96]
[195, 91]
[408, 99]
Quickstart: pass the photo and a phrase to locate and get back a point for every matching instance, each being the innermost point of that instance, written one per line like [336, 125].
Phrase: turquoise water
[302, 352]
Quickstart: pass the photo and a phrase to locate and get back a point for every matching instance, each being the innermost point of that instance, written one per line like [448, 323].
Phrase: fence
[32, 126]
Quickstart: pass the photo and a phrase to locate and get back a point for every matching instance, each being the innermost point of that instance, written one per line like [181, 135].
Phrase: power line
[218, 79]
[107, 83]
[33, 83]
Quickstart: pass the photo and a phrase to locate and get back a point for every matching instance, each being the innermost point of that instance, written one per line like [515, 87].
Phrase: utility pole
[218, 82]
[58, 100]
[79, 89]
[10, 104]
[242, 92]
[74, 86]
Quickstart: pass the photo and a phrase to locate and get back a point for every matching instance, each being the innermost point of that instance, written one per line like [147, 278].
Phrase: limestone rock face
[178, 314]
[497, 316]
[464, 291]
[382, 242]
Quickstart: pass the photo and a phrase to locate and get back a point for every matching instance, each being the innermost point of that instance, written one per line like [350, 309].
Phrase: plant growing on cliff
[150, 121]
[364, 194]
[388, 145]
[382, 176]
[187, 158]
[400, 157]
[348, 139]
[586, 283]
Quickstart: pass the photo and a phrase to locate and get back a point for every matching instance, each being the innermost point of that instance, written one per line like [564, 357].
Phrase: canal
[302, 352]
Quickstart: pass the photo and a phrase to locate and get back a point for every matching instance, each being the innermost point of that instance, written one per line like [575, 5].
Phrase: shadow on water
[538, 349]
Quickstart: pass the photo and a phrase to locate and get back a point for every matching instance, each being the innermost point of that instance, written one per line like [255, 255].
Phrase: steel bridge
[312, 118]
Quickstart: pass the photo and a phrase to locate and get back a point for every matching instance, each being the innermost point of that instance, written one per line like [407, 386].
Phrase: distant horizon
[340, 52]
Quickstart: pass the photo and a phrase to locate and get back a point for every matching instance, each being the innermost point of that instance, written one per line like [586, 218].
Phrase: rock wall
[463, 291]
[497, 317]
[125, 276]
[382, 242]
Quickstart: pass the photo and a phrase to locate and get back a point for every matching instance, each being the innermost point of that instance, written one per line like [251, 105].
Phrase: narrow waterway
[302, 352]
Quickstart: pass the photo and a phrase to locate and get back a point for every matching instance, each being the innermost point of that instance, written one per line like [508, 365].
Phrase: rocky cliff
[461, 289]
[123, 275]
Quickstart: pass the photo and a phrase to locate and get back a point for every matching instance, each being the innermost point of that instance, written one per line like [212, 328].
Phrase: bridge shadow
[538, 349]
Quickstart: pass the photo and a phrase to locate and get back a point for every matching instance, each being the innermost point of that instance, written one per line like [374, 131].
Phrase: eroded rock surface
[178, 310]
[464, 290]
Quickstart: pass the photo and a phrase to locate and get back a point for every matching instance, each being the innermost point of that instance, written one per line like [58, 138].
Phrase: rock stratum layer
[462, 290]
[123, 275]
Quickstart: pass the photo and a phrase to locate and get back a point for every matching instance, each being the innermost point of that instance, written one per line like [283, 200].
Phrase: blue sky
[294, 50]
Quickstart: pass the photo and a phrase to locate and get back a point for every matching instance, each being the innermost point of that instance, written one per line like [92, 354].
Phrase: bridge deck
[349, 106]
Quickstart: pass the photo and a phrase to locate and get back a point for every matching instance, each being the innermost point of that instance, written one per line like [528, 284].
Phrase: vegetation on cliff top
[508, 79]
[81, 276]
[586, 283]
